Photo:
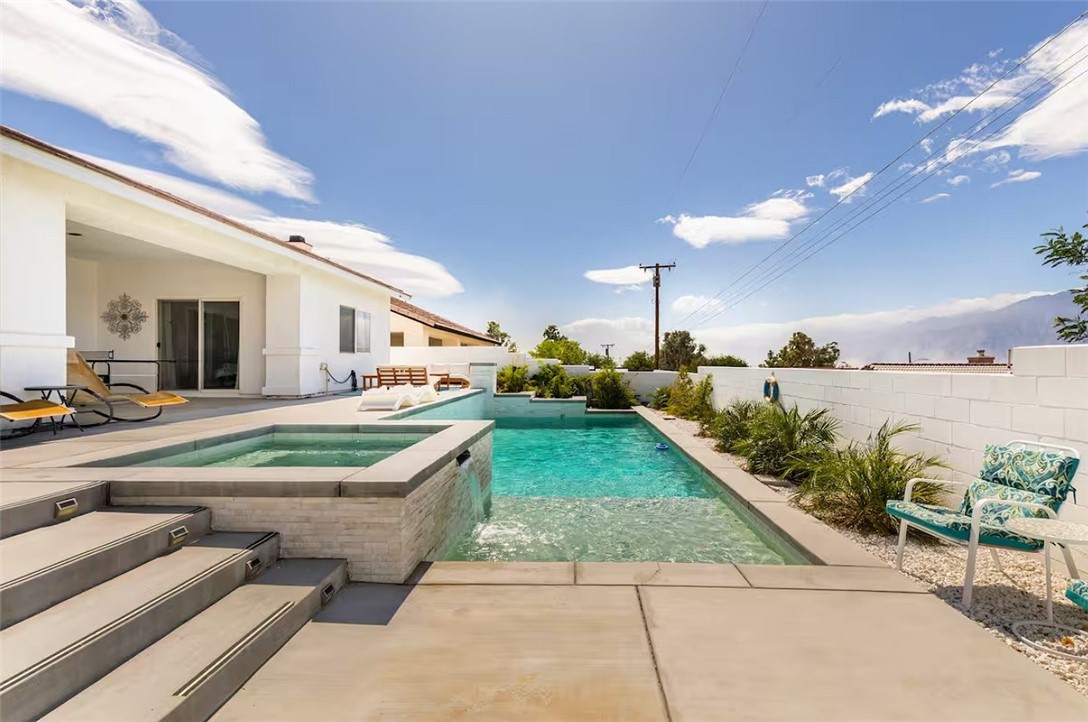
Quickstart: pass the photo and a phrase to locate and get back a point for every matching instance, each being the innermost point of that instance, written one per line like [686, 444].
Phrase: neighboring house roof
[945, 368]
[25, 139]
[433, 320]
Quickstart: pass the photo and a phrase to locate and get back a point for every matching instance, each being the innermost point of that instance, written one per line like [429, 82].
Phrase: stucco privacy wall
[1044, 399]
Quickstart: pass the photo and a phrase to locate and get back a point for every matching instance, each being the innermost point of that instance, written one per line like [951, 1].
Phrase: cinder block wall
[1045, 398]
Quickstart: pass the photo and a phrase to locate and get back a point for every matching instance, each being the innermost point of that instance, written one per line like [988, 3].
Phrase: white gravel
[1001, 598]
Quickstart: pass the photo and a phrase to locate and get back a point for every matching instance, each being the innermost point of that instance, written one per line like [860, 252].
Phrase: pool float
[661, 447]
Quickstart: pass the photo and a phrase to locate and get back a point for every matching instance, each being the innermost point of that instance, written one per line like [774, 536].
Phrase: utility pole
[606, 347]
[656, 268]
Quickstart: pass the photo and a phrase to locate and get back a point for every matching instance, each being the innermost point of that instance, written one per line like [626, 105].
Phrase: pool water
[294, 449]
[594, 488]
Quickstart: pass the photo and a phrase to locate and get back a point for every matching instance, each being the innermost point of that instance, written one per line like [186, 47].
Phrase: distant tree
[551, 333]
[802, 352]
[1063, 250]
[600, 361]
[564, 349]
[495, 331]
[679, 350]
[639, 361]
[724, 360]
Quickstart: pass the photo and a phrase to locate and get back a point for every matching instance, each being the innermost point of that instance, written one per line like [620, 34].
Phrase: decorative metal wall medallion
[124, 316]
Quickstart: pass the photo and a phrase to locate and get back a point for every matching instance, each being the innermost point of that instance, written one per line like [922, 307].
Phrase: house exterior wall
[420, 334]
[1044, 399]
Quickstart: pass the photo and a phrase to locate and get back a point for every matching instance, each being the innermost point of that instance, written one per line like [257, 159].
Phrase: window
[432, 341]
[354, 330]
[396, 338]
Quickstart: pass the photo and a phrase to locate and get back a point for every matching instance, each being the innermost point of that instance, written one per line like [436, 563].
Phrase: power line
[927, 169]
[717, 105]
[702, 307]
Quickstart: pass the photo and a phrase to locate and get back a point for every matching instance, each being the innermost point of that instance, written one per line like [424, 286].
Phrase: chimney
[981, 358]
[299, 242]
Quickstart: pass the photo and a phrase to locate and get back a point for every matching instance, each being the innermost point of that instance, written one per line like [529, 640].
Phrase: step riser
[202, 701]
[34, 514]
[24, 598]
[85, 663]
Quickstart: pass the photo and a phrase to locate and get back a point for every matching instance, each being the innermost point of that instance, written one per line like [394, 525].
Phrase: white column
[283, 351]
[33, 334]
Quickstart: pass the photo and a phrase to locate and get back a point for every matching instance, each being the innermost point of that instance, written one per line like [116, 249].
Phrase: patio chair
[1077, 592]
[1021, 478]
[99, 398]
[32, 411]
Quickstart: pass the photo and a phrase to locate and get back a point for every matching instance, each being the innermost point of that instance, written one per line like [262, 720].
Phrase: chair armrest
[941, 482]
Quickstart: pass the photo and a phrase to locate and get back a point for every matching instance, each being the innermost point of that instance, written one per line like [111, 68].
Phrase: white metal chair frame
[972, 543]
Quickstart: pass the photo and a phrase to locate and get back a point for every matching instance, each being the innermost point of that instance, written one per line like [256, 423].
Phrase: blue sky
[510, 148]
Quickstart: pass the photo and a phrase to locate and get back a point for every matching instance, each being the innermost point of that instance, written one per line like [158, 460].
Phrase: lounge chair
[394, 398]
[32, 411]
[99, 398]
[451, 374]
[390, 376]
[1021, 478]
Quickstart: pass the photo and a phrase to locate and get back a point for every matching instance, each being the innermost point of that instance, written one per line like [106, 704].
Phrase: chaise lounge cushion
[1077, 592]
[955, 525]
[1038, 476]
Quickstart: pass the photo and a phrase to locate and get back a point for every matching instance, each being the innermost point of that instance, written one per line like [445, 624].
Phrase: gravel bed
[1001, 598]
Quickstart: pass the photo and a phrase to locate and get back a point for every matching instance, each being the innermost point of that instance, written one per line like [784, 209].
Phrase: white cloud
[935, 197]
[691, 304]
[994, 53]
[926, 145]
[1039, 132]
[994, 161]
[763, 221]
[627, 289]
[957, 180]
[852, 189]
[110, 59]
[351, 244]
[629, 333]
[626, 276]
[1017, 176]
[815, 181]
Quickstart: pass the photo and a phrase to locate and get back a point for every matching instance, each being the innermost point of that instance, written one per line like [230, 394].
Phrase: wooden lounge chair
[99, 398]
[32, 411]
[405, 375]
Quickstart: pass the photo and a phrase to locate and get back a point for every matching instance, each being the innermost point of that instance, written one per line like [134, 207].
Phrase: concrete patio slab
[464, 652]
[863, 579]
[654, 573]
[529, 573]
[815, 537]
[829, 655]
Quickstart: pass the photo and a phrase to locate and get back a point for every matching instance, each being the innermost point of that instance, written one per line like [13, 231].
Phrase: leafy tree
[551, 333]
[600, 361]
[611, 390]
[802, 352]
[512, 379]
[564, 349]
[639, 361]
[1063, 250]
[724, 360]
[495, 331]
[679, 350]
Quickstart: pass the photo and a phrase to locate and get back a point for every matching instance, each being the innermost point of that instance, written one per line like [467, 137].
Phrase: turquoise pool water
[594, 488]
[292, 449]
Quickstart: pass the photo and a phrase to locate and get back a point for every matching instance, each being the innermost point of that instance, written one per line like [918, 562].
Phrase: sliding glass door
[198, 344]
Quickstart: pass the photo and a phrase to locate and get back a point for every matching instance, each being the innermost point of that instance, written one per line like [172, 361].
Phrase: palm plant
[780, 439]
[732, 423]
[849, 487]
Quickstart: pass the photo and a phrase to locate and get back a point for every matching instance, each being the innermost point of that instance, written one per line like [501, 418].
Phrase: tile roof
[433, 320]
[947, 367]
[33, 142]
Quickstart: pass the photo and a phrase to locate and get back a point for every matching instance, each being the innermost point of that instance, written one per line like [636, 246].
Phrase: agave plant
[849, 487]
[732, 423]
[780, 440]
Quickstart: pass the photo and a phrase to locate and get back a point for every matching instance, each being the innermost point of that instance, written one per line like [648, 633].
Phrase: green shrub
[780, 440]
[512, 379]
[659, 399]
[724, 360]
[551, 381]
[690, 400]
[639, 361]
[849, 487]
[731, 424]
[611, 390]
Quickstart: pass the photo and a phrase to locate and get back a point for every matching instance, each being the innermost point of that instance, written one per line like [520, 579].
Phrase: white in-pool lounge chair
[391, 398]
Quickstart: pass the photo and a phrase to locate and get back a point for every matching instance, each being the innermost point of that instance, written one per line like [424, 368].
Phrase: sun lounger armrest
[940, 482]
[141, 389]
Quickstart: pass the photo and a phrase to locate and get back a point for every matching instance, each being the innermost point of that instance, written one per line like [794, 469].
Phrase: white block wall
[1044, 399]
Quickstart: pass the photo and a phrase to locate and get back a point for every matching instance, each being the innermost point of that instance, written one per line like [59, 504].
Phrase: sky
[517, 161]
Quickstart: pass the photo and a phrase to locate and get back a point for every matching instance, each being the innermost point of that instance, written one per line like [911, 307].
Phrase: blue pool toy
[661, 447]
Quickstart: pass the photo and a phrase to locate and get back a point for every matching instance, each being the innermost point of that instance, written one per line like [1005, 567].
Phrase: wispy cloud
[690, 304]
[935, 197]
[351, 244]
[625, 276]
[763, 221]
[112, 60]
[958, 180]
[815, 181]
[1017, 176]
[852, 189]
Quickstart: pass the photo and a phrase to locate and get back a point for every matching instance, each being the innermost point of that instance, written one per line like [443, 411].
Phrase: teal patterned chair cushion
[1077, 592]
[1039, 476]
[956, 525]
[1000, 513]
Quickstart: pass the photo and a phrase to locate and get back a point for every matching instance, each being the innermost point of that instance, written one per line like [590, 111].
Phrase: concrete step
[27, 505]
[45, 566]
[55, 654]
[190, 673]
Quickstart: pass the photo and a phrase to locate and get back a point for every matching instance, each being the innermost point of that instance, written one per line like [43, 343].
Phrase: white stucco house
[225, 308]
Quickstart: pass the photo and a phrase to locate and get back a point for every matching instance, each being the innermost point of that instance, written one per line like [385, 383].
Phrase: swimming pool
[595, 488]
